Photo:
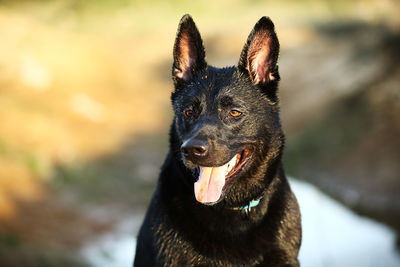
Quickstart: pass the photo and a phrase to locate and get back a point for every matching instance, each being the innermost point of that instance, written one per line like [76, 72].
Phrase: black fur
[178, 230]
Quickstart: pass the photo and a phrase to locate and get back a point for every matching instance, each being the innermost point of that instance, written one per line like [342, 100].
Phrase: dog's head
[227, 120]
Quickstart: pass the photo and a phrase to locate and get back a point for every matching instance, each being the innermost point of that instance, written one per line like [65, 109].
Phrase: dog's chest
[204, 249]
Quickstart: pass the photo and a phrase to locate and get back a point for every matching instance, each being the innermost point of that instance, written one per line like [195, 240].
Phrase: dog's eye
[235, 113]
[188, 113]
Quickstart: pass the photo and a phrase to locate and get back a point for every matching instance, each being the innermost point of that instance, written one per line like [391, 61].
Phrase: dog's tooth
[231, 164]
[237, 158]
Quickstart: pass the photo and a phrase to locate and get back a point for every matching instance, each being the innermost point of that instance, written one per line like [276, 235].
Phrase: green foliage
[10, 240]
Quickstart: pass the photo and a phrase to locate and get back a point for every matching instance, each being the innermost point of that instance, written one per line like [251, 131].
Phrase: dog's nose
[195, 147]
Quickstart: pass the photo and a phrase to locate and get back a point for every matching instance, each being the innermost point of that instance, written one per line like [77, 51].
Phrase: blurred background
[85, 111]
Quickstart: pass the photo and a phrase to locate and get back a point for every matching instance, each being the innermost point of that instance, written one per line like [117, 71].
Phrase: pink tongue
[209, 186]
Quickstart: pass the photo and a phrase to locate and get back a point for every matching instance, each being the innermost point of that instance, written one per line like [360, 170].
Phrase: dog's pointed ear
[189, 54]
[260, 54]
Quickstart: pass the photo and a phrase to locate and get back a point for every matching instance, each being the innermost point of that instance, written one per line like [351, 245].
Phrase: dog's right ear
[189, 54]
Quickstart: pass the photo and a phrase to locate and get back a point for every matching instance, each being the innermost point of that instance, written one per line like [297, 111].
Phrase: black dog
[222, 198]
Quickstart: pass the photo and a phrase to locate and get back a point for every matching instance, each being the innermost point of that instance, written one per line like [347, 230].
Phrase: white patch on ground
[333, 236]
[113, 249]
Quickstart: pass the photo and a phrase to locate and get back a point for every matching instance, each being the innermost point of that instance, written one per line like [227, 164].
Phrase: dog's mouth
[210, 184]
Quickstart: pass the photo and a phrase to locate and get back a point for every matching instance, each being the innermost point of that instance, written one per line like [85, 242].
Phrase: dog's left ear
[189, 54]
[260, 54]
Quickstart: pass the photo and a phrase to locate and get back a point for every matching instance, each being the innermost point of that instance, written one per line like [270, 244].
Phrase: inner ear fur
[189, 53]
[260, 54]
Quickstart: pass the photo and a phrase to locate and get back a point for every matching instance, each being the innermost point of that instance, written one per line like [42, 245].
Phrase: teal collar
[252, 204]
[247, 208]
